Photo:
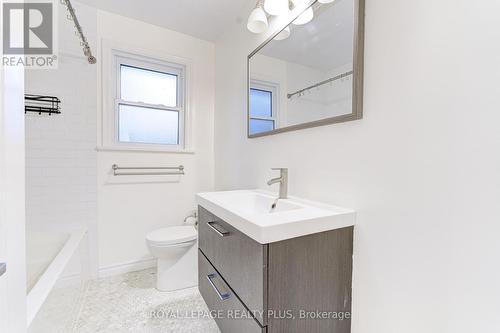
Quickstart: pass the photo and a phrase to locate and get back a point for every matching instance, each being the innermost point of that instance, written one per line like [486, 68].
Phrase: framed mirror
[310, 73]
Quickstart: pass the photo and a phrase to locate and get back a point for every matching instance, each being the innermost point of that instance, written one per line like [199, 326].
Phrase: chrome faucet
[283, 180]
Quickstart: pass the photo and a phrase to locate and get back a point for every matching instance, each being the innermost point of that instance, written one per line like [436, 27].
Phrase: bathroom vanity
[287, 269]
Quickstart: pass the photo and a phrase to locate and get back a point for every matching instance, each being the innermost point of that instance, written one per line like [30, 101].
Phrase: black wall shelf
[41, 104]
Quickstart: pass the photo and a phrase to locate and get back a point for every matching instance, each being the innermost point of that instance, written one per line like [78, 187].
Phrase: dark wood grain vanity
[301, 284]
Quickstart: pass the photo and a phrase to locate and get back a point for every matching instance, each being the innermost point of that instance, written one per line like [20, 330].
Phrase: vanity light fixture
[257, 21]
[276, 7]
[284, 34]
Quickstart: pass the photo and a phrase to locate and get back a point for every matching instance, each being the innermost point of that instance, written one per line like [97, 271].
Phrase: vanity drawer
[239, 259]
[231, 315]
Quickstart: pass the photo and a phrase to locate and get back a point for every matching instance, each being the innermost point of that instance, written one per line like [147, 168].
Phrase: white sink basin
[250, 212]
[251, 202]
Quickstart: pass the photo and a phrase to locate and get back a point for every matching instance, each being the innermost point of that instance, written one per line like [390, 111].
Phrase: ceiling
[324, 43]
[204, 19]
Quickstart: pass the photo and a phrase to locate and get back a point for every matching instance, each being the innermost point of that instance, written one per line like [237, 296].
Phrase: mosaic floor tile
[124, 303]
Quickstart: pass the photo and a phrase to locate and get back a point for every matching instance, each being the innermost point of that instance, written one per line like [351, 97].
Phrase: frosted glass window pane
[151, 87]
[261, 102]
[145, 125]
[259, 125]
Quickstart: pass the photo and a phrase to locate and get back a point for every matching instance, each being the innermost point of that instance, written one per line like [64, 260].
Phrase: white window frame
[157, 66]
[274, 89]
[112, 53]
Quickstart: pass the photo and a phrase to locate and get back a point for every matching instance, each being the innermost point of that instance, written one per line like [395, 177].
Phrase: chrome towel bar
[154, 172]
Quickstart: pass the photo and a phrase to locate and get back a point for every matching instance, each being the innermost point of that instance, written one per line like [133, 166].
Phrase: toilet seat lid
[172, 235]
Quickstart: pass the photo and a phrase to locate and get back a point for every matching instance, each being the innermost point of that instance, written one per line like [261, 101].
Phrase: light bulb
[325, 1]
[284, 34]
[305, 17]
[276, 7]
[257, 21]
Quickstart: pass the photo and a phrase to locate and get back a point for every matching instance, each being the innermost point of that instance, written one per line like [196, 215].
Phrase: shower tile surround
[123, 303]
[61, 160]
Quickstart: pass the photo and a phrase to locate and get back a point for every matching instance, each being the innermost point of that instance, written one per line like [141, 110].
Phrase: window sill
[144, 150]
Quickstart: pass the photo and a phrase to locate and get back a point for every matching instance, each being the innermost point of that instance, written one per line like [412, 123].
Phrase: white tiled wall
[60, 149]
[61, 159]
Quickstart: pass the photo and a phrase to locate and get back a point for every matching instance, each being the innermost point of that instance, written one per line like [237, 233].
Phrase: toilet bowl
[176, 253]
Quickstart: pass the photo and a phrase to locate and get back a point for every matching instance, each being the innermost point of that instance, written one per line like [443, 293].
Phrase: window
[263, 107]
[149, 107]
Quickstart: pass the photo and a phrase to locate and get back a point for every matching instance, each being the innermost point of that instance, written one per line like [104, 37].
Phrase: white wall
[130, 207]
[421, 167]
[61, 160]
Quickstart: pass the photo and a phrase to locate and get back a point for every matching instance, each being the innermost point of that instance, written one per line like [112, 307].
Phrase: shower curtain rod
[86, 47]
[335, 78]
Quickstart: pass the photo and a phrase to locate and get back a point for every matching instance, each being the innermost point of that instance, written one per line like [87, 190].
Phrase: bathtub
[47, 255]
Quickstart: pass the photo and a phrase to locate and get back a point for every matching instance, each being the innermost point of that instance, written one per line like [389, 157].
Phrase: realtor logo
[29, 33]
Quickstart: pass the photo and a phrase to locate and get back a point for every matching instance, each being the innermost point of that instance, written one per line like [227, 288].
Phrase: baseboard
[68, 280]
[126, 267]
[74, 279]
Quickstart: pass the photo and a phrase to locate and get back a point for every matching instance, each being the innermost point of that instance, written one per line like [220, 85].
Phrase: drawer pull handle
[221, 232]
[222, 297]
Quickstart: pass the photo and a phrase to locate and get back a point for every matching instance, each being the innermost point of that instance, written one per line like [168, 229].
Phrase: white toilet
[176, 251]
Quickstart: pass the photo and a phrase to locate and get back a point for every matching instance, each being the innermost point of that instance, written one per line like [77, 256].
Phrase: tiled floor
[124, 303]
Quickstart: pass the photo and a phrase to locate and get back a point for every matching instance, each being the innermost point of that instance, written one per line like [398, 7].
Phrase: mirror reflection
[305, 73]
